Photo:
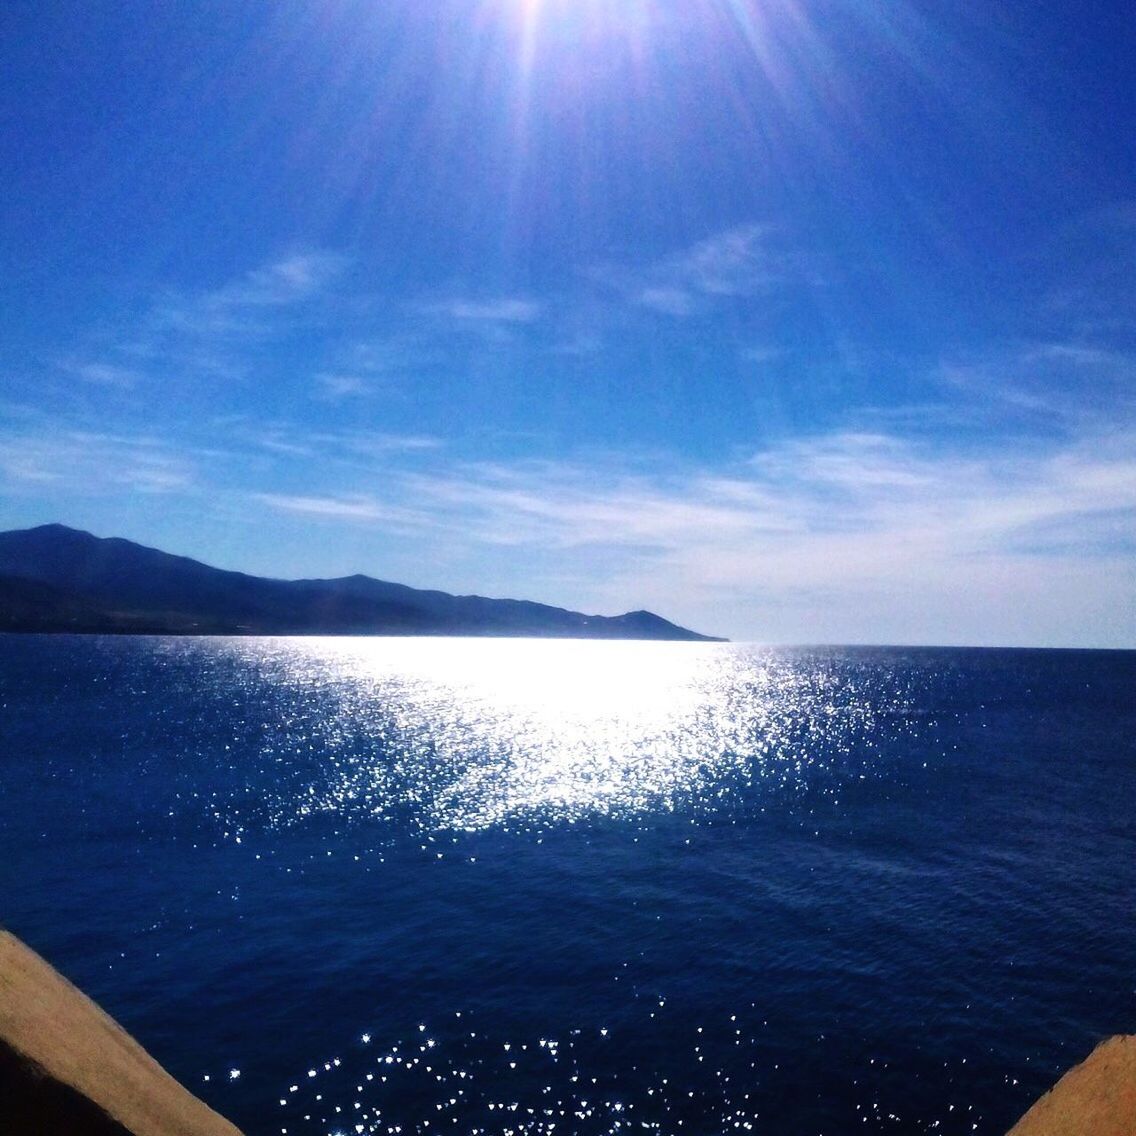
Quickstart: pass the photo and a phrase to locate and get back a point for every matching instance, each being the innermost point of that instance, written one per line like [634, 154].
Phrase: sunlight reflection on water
[469, 734]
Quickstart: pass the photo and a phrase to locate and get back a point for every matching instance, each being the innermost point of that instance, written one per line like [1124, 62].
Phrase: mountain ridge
[57, 579]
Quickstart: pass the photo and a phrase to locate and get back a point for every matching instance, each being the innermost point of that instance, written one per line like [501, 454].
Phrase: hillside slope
[54, 578]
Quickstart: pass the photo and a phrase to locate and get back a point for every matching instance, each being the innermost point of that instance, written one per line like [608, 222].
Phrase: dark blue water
[393, 886]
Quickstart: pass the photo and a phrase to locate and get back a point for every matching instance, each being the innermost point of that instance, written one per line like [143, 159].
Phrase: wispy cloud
[1072, 384]
[500, 310]
[828, 530]
[280, 441]
[671, 301]
[85, 462]
[287, 281]
[338, 387]
[247, 307]
[1088, 272]
[300, 446]
[212, 333]
[744, 261]
[353, 508]
[377, 444]
[737, 262]
[103, 374]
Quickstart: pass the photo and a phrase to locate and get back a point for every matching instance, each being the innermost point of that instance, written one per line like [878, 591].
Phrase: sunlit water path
[395, 886]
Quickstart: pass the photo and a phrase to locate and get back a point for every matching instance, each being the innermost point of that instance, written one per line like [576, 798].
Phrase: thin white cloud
[501, 310]
[213, 333]
[871, 490]
[249, 306]
[104, 374]
[762, 354]
[371, 448]
[87, 463]
[338, 387]
[289, 280]
[1076, 385]
[735, 262]
[672, 301]
[821, 531]
[1089, 270]
[277, 443]
[744, 261]
[377, 444]
[354, 508]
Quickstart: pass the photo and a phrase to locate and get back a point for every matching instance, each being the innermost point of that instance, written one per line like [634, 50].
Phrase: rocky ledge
[1095, 1098]
[66, 1067]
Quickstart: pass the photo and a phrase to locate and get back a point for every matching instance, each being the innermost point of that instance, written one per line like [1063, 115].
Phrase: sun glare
[569, 23]
[646, 40]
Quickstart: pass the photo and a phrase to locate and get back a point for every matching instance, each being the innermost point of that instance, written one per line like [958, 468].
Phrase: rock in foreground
[1095, 1098]
[66, 1067]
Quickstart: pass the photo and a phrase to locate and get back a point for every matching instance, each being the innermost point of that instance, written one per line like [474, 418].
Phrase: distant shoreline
[55, 579]
[473, 636]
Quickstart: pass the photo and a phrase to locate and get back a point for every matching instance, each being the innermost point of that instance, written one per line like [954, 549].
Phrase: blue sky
[793, 320]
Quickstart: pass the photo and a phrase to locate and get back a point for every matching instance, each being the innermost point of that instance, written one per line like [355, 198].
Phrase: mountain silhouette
[54, 578]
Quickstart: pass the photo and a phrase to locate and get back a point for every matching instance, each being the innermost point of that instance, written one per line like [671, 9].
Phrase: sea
[502, 887]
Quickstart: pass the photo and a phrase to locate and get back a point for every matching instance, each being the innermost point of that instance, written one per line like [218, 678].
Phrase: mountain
[54, 578]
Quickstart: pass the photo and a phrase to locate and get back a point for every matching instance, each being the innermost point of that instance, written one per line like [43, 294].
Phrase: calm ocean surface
[431, 886]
